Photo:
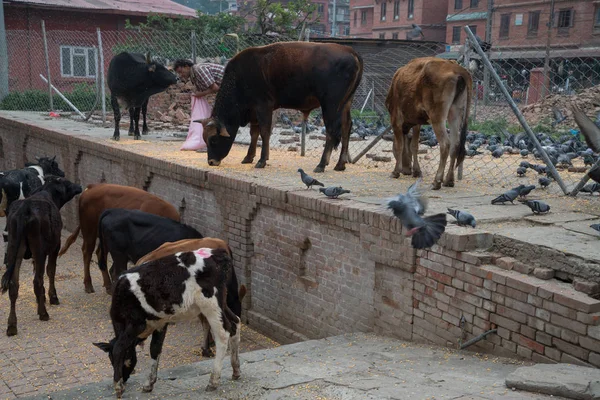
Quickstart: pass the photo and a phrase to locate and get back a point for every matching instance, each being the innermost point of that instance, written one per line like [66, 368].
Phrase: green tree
[275, 16]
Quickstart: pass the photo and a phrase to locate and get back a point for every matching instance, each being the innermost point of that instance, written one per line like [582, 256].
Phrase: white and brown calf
[174, 288]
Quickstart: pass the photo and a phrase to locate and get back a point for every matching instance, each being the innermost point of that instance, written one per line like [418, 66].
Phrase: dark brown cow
[234, 297]
[430, 90]
[94, 200]
[296, 75]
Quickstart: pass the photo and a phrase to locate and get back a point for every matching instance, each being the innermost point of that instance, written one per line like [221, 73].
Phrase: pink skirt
[200, 109]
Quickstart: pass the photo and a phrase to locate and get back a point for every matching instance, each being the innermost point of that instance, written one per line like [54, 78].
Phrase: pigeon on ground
[558, 116]
[594, 173]
[524, 191]
[590, 131]
[537, 206]
[333, 192]
[511, 195]
[308, 180]
[524, 153]
[591, 188]
[462, 218]
[544, 182]
[472, 153]
[497, 153]
[595, 227]
[521, 171]
[408, 208]
[525, 164]
[540, 169]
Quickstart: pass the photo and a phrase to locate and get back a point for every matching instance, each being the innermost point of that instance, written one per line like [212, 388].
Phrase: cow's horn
[3, 204]
[148, 60]
[223, 132]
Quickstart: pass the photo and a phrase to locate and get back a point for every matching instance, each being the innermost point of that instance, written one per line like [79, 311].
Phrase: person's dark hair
[182, 62]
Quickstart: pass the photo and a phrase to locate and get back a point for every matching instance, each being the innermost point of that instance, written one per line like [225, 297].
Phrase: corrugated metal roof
[134, 7]
[466, 16]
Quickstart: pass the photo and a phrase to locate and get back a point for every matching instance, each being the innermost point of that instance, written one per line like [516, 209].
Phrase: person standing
[206, 78]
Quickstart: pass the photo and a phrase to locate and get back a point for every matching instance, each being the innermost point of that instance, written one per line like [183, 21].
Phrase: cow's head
[130, 358]
[50, 166]
[159, 74]
[60, 189]
[217, 139]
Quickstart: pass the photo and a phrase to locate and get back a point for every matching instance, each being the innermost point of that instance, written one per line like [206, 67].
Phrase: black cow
[296, 75]
[34, 225]
[174, 288]
[132, 79]
[128, 235]
[19, 183]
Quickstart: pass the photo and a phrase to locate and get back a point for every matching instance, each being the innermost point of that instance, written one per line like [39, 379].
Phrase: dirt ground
[58, 354]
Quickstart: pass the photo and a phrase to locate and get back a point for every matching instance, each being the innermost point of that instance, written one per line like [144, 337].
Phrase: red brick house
[465, 12]
[361, 18]
[392, 19]
[72, 38]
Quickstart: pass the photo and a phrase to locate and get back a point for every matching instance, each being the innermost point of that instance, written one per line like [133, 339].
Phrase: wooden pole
[100, 70]
[47, 65]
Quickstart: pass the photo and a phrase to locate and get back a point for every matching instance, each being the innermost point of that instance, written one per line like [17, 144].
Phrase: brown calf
[93, 201]
[430, 90]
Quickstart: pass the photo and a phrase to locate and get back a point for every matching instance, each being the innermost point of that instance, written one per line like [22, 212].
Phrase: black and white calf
[17, 184]
[174, 288]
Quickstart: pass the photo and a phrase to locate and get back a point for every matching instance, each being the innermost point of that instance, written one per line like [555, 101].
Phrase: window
[533, 23]
[565, 19]
[320, 8]
[355, 17]
[396, 9]
[347, 30]
[383, 9]
[455, 34]
[504, 25]
[395, 35]
[411, 9]
[457, 4]
[474, 3]
[363, 17]
[597, 18]
[382, 36]
[473, 29]
[78, 62]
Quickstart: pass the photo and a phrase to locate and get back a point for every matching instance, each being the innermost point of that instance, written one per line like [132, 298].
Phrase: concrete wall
[316, 268]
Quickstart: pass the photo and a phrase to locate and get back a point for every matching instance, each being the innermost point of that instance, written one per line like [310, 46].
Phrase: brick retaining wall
[316, 268]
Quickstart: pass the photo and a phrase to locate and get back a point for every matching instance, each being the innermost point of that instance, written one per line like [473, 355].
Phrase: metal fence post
[100, 70]
[193, 41]
[3, 56]
[47, 65]
[516, 110]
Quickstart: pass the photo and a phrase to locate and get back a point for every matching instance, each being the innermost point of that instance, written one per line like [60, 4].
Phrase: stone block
[543, 273]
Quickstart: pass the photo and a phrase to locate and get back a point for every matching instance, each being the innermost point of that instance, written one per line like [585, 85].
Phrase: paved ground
[58, 354]
[349, 367]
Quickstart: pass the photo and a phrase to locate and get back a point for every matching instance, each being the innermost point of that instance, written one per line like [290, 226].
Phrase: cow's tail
[465, 82]
[70, 240]
[101, 248]
[17, 233]
[348, 96]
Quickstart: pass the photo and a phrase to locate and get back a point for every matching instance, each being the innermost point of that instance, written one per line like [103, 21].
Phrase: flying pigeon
[462, 218]
[537, 206]
[415, 32]
[558, 116]
[595, 227]
[590, 131]
[408, 209]
[333, 192]
[308, 180]
[511, 195]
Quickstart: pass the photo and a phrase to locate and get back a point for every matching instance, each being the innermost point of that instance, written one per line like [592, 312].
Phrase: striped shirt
[204, 75]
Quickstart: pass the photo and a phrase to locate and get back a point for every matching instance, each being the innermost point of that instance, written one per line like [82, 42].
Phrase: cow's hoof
[417, 173]
[340, 167]
[145, 132]
[247, 160]
[210, 388]
[235, 377]
[119, 388]
[260, 164]
[436, 186]
[147, 388]
[207, 353]
[137, 137]
[54, 300]
[395, 174]
[89, 288]
[130, 133]
[319, 169]
[11, 331]
[449, 184]
[44, 316]
[115, 138]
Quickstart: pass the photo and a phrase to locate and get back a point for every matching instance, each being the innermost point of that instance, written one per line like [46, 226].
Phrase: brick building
[71, 26]
[393, 19]
[465, 12]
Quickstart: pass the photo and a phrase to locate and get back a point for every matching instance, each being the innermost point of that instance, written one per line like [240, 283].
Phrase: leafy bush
[83, 96]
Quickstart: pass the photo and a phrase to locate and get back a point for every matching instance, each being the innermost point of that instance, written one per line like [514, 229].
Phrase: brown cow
[430, 90]
[234, 298]
[98, 197]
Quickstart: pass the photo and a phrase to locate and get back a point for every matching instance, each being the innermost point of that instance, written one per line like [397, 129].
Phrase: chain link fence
[542, 83]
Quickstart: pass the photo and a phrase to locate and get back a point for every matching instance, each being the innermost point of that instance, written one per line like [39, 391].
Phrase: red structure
[71, 33]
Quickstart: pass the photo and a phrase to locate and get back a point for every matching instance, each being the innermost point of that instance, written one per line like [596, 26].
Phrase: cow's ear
[104, 346]
[53, 158]
[152, 68]
[223, 132]
[37, 158]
